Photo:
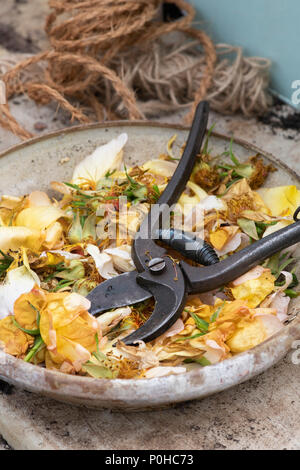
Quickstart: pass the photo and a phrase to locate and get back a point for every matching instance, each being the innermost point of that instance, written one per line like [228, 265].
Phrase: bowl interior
[32, 166]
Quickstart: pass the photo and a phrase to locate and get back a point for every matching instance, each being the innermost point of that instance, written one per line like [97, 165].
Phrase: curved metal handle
[169, 286]
[169, 291]
[209, 278]
[187, 162]
[189, 245]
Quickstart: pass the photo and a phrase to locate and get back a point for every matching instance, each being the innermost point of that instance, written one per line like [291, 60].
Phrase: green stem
[37, 344]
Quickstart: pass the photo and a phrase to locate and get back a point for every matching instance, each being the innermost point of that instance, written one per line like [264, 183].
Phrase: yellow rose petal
[254, 291]
[14, 340]
[26, 308]
[13, 238]
[283, 200]
[247, 337]
[218, 239]
[39, 218]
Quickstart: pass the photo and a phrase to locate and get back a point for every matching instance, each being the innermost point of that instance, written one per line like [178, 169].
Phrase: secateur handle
[169, 286]
[144, 240]
[212, 277]
[189, 245]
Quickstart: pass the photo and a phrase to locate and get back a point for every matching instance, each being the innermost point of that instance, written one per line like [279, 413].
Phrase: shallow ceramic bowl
[33, 165]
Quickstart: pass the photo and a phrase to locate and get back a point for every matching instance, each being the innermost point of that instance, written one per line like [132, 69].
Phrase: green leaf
[104, 183]
[35, 349]
[89, 228]
[62, 284]
[109, 173]
[202, 361]
[74, 272]
[38, 315]
[157, 192]
[135, 191]
[98, 371]
[84, 286]
[75, 232]
[73, 186]
[216, 314]
[231, 154]
[244, 170]
[273, 263]
[79, 191]
[137, 194]
[100, 356]
[130, 179]
[225, 167]
[58, 268]
[201, 324]
[185, 338]
[5, 262]
[281, 281]
[262, 226]
[229, 184]
[291, 293]
[248, 227]
[295, 282]
[140, 193]
[285, 264]
[29, 332]
[204, 151]
[279, 262]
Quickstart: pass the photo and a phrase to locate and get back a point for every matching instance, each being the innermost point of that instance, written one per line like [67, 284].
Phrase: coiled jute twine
[112, 59]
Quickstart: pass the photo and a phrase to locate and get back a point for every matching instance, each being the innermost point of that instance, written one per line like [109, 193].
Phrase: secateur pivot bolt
[157, 265]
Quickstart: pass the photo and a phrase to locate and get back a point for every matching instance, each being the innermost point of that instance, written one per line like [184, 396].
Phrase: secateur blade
[169, 292]
[167, 284]
[116, 292]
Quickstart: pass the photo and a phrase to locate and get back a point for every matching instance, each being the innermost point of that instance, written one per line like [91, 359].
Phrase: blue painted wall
[269, 28]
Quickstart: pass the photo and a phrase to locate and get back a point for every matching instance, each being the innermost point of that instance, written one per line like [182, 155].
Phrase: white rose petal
[103, 262]
[233, 244]
[18, 281]
[212, 203]
[160, 371]
[160, 167]
[278, 300]
[109, 320]
[281, 303]
[76, 303]
[121, 258]
[254, 273]
[105, 158]
[214, 352]
[271, 323]
[66, 254]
